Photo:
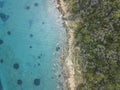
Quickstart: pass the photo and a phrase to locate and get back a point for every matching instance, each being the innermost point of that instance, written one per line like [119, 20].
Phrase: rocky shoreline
[68, 64]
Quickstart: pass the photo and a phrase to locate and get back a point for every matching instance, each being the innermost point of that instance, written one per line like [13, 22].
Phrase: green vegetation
[98, 36]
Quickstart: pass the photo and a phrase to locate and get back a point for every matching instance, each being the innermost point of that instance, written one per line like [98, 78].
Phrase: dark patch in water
[30, 46]
[1, 4]
[1, 61]
[4, 17]
[9, 33]
[36, 4]
[57, 48]
[59, 75]
[1, 41]
[52, 77]
[30, 23]
[43, 22]
[39, 57]
[27, 7]
[19, 82]
[37, 82]
[31, 35]
[16, 66]
[1, 87]
[38, 64]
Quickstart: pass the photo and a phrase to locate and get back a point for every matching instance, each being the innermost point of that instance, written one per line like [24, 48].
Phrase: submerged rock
[1, 61]
[31, 35]
[9, 33]
[43, 22]
[30, 46]
[16, 66]
[1, 41]
[38, 64]
[37, 82]
[4, 17]
[57, 48]
[19, 82]
[27, 7]
[59, 75]
[1, 87]
[36, 4]
[39, 57]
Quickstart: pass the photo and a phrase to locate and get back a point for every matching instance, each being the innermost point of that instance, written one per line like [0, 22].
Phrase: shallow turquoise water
[33, 37]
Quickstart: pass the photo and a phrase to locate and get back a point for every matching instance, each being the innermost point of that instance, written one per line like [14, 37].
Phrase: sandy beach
[68, 61]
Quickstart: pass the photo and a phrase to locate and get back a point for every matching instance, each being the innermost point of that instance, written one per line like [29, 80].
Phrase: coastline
[89, 44]
[69, 66]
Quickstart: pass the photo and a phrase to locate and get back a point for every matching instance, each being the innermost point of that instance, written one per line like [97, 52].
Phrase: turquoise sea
[31, 41]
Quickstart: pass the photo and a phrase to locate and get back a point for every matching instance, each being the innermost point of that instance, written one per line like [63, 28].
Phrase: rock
[43, 22]
[27, 7]
[59, 75]
[31, 35]
[57, 48]
[1, 87]
[1, 61]
[4, 17]
[1, 41]
[39, 57]
[36, 4]
[37, 82]
[38, 64]
[30, 46]
[19, 82]
[16, 66]
[9, 33]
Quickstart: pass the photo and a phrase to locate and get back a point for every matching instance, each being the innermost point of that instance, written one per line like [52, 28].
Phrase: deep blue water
[31, 39]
